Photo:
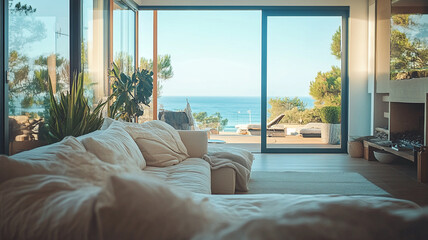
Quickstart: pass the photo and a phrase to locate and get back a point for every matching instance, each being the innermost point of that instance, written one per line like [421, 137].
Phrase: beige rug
[343, 183]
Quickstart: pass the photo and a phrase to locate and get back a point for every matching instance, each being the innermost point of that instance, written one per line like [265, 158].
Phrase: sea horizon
[237, 109]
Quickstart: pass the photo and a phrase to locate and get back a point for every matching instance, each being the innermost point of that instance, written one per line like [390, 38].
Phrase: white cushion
[107, 122]
[193, 174]
[160, 143]
[141, 207]
[65, 160]
[42, 160]
[115, 146]
[46, 152]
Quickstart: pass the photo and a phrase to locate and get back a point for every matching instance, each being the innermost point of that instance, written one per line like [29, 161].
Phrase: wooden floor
[398, 179]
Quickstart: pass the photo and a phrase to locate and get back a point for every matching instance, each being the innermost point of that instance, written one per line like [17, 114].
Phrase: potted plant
[330, 133]
[71, 115]
[356, 147]
[130, 93]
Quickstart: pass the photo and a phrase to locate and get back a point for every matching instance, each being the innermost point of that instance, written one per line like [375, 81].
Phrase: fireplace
[407, 130]
[407, 124]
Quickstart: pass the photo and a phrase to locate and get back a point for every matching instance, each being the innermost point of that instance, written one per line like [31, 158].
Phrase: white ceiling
[244, 2]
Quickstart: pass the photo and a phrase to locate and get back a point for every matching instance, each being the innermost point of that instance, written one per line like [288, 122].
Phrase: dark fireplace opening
[407, 124]
[408, 139]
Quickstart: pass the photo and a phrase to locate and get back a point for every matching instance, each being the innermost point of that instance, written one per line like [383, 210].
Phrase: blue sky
[57, 20]
[217, 53]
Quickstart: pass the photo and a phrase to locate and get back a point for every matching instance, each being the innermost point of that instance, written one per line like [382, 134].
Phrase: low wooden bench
[420, 157]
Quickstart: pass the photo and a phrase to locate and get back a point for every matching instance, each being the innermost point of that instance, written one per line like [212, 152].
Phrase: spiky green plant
[72, 115]
[130, 93]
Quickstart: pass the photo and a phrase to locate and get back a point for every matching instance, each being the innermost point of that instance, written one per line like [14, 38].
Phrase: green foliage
[336, 46]
[124, 63]
[286, 103]
[214, 121]
[71, 115]
[330, 114]
[25, 9]
[130, 93]
[326, 89]
[294, 110]
[402, 20]
[409, 55]
[31, 86]
[165, 70]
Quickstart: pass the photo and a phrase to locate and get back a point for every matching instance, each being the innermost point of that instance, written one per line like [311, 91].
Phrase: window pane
[94, 50]
[303, 81]
[145, 52]
[409, 40]
[123, 38]
[38, 49]
[210, 59]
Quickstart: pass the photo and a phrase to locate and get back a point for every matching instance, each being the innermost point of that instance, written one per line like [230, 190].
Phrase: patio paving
[252, 143]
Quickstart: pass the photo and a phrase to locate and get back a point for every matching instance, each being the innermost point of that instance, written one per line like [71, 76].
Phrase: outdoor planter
[330, 133]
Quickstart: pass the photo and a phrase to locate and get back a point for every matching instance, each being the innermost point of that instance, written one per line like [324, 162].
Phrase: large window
[409, 39]
[38, 50]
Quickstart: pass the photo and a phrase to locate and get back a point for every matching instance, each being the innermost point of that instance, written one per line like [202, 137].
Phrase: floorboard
[398, 179]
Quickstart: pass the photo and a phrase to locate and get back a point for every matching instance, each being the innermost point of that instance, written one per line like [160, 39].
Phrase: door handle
[7, 77]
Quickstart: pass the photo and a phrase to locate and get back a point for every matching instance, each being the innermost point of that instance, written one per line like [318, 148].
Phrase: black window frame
[4, 119]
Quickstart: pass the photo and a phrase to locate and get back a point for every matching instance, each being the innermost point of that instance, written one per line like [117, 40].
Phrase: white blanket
[139, 207]
[239, 159]
[317, 217]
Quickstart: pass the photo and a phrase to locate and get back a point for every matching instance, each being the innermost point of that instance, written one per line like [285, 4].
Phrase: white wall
[359, 99]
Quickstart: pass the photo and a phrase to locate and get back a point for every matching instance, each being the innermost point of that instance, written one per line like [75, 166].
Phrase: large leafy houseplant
[130, 93]
[72, 115]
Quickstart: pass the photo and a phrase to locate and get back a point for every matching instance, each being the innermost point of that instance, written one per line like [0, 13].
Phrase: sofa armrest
[223, 181]
[196, 142]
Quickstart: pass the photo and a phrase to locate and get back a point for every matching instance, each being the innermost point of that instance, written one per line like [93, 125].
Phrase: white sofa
[193, 174]
[62, 191]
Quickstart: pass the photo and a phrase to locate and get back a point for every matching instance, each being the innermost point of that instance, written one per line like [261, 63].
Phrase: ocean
[238, 110]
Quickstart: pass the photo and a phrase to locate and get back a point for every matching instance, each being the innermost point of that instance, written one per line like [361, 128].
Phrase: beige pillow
[115, 146]
[160, 143]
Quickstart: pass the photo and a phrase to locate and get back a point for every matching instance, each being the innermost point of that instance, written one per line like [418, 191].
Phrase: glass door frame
[4, 120]
[309, 12]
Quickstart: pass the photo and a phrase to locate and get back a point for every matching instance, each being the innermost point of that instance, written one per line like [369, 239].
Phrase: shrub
[214, 121]
[330, 114]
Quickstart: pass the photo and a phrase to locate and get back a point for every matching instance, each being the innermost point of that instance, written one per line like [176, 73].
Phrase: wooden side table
[421, 157]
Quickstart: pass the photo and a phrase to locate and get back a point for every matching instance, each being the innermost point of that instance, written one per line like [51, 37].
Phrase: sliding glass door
[208, 63]
[304, 81]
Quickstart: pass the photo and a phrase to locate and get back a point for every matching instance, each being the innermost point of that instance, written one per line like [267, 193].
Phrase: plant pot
[330, 133]
[355, 149]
